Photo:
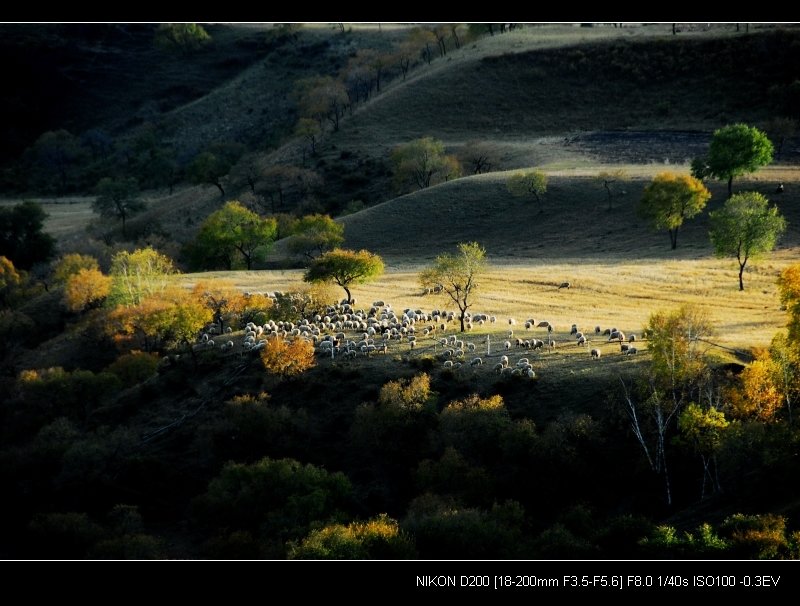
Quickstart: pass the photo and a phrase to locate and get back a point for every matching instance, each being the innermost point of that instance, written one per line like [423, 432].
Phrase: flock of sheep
[346, 332]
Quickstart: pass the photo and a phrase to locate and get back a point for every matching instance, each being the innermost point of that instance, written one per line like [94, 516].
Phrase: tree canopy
[670, 199]
[458, 275]
[315, 234]
[234, 236]
[735, 150]
[117, 199]
[422, 162]
[138, 275]
[21, 237]
[527, 183]
[746, 228]
[345, 268]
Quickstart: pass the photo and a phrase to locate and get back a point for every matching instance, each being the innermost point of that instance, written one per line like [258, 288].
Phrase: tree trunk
[462, 320]
[123, 225]
[741, 271]
[730, 186]
[673, 238]
[219, 187]
[347, 290]
[673, 29]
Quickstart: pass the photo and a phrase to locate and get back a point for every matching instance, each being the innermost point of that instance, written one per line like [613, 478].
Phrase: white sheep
[507, 344]
[476, 362]
[595, 353]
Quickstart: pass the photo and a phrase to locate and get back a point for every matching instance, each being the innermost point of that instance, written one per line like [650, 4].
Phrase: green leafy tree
[117, 199]
[746, 228]
[670, 199]
[315, 234]
[183, 37]
[138, 275]
[210, 166]
[735, 150]
[21, 237]
[457, 276]
[345, 268]
[234, 234]
[421, 163]
[523, 184]
[702, 428]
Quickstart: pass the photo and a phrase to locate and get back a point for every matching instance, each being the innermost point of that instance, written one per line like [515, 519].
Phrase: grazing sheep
[582, 341]
[511, 321]
[595, 353]
[470, 346]
[551, 344]
[537, 344]
[204, 338]
[623, 347]
[504, 361]
[493, 319]
[607, 331]
[229, 330]
[631, 338]
[528, 325]
[564, 285]
[210, 343]
[597, 330]
[448, 364]
[507, 344]
[543, 324]
[531, 374]
[522, 362]
[510, 333]
[631, 351]
[498, 368]
[578, 335]
[574, 329]
[476, 362]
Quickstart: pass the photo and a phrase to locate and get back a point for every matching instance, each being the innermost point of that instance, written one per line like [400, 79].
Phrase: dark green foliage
[21, 237]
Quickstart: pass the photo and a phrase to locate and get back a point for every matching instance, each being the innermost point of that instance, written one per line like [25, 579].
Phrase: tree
[138, 275]
[172, 317]
[235, 233]
[117, 199]
[781, 128]
[316, 234]
[184, 37]
[345, 268]
[609, 178]
[321, 98]
[670, 199]
[735, 150]
[420, 163]
[286, 185]
[676, 367]
[21, 237]
[458, 275]
[10, 280]
[702, 429]
[71, 264]
[226, 303]
[745, 228]
[760, 396]
[528, 183]
[211, 165]
[53, 159]
[287, 358]
[86, 289]
[789, 287]
[477, 156]
[308, 129]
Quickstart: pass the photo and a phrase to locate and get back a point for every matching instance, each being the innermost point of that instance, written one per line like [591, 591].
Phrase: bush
[376, 539]
[287, 358]
[134, 367]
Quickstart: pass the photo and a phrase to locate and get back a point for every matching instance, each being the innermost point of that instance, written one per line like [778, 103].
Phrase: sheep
[551, 344]
[493, 319]
[522, 361]
[578, 335]
[582, 341]
[623, 347]
[528, 325]
[229, 344]
[470, 346]
[510, 333]
[498, 368]
[631, 338]
[631, 351]
[204, 338]
[476, 362]
[607, 331]
[537, 344]
[574, 329]
[507, 344]
[543, 324]
[448, 364]
[229, 330]
[518, 342]
[210, 343]
[597, 330]
[564, 285]
[504, 361]
[531, 374]
[595, 353]
[511, 321]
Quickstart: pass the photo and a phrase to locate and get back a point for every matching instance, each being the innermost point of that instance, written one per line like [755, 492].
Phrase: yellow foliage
[69, 265]
[411, 394]
[789, 285]
[287, 358]
[86, 289]
[476, 404]
[759, 396]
